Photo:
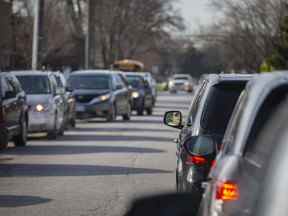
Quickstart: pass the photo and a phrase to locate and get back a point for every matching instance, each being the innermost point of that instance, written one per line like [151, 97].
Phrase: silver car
[46, 107]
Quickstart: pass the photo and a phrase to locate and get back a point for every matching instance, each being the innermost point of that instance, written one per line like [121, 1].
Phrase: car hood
[90, 92]
[38, 99]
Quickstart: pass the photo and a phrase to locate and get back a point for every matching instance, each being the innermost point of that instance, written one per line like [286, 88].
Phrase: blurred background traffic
[96, 97]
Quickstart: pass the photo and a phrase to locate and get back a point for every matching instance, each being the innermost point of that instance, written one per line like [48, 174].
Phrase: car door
[10, 104]
[121, 94]
[20, 97]
[57, 101]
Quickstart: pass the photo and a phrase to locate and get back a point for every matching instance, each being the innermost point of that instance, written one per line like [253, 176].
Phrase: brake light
[227, 191]
[197, 160]
[213, 164]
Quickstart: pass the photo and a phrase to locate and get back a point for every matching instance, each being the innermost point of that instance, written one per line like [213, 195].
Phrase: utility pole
[35, 36]
[38, 34]
[90, 42]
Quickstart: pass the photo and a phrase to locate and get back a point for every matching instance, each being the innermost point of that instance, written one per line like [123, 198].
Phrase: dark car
[235, 178]
[100, 93]
[271, 198]
[68, 99]
[142, 97]
[13, 111]
[201, 136]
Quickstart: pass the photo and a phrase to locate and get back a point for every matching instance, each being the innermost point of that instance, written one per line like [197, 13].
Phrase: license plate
[80, 108]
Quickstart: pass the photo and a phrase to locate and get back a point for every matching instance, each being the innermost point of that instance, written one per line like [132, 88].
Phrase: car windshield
[219, 106]
[97, 82]
[33, 84]
[135, 81]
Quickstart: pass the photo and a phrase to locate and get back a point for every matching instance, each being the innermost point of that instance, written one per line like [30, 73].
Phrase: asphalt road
[95, 169]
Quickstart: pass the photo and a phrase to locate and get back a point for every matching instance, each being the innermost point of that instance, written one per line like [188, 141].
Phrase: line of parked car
[42, 101]
[231, 150]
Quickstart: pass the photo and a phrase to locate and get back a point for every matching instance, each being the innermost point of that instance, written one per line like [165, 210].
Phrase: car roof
[92, 72]
[31, 72]
[228, 77]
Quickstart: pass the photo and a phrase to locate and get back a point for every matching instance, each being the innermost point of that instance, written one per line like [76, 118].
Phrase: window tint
[96, 82]
[135, 81]
[201, 145]
[35, 84]
[256, 151]
[195, 104]
[219, 106]
[234, 123]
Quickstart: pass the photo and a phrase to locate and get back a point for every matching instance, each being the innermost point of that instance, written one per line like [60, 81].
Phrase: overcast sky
[195, 12]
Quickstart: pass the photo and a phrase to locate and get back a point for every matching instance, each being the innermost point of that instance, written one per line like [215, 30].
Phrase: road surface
[96, 169]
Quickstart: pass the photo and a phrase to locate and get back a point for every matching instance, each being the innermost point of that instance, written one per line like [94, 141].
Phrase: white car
[46, 107]
[181, 82]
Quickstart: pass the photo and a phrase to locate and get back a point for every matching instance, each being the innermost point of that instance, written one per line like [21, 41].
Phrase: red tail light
[213, 164]
[197, 160]
[227, 191]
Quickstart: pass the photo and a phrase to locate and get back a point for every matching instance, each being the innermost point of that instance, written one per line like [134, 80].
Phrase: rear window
[219, 106]
[35, 84]
[90, 82]
[135, 81]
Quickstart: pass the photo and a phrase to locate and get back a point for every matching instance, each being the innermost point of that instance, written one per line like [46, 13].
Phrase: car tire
[140, 110]
[112, 116]
[73, 123]
[127, 116]
[52, 135]
[149, 111]
[4, 139]
[21, 138]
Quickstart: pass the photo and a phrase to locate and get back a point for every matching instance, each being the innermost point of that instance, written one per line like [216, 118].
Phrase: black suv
[13, 111]
[201, 136]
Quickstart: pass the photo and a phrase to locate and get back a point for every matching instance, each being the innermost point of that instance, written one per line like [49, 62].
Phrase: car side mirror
[10, 94]
[173, 119]
[119, 87]
[68, 89]
[201, 145]
[176, 204]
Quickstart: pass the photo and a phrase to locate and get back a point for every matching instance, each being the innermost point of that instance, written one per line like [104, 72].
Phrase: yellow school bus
[128, 65]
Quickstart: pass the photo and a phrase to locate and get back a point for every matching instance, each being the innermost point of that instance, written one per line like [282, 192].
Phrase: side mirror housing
[173, 119]
[119, 87]
[68, 89]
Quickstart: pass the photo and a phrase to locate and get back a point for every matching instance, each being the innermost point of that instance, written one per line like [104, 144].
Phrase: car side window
[11, 86]
[195, 105]
[254, 150]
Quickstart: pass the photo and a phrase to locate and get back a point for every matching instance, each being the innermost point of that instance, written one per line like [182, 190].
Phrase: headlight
[135, 94]
[105, 97]
[71, 100]
[171, 83]
[41, 108]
